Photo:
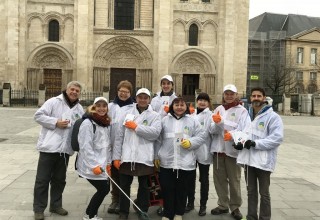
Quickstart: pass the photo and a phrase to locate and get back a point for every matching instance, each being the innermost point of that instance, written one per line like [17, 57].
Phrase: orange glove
[166, 108]
[227, 136]
[216, 118]
[116, 164]
[97, 170]
[108, 169]
[131, 125]
[191, 109]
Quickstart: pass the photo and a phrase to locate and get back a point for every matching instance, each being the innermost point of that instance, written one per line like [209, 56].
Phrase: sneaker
[96, 218]
[59, 211]
[189, 207]
[236, 214]
[112, 207]
[38, 216]
[85, 217]
[219, 211]
[202, 211]
[177, 217]
[160, 211]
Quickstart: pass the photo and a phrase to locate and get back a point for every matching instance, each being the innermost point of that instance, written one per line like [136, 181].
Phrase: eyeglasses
[124, 92]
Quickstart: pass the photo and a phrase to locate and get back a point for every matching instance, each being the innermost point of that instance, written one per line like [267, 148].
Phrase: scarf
[69, 103]
[199, 110]
[103, 121]
[123, 103]
[230, 105]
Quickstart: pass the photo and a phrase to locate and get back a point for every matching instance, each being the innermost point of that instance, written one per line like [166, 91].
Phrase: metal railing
[87, 98]
[24, 97]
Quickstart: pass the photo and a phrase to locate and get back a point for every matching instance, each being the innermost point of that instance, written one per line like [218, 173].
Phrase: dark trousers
[174, 186]
[255, 176]
[115, 191]
[51, 169]
[142, 197]
[204, 185]
[103, 188]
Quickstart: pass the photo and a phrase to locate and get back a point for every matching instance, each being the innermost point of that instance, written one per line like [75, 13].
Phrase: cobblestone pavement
[295, 184]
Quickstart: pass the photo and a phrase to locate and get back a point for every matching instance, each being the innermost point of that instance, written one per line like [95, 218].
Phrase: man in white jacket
[259, 153]
[229, 117]
[56, 116]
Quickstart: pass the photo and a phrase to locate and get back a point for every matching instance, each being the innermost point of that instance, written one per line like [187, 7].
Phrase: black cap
[204, 96]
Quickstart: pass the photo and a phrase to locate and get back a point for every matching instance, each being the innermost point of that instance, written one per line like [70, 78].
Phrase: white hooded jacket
[158, 105]
[94, 150]
[53, 139]
[171, 154]
[267, 132]
[233, 119]
[137, 146]
[203, 154]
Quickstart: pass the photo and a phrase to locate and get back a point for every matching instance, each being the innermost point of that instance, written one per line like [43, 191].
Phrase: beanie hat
[204, 96]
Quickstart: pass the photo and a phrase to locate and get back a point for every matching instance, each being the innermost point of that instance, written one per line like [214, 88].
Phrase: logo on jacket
[186, 130]
[145, 122]
[232, 117]
[261, 125]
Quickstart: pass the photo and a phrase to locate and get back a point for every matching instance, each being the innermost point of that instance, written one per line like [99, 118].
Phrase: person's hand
[216, 118]
[62, 123]
[166, 108]
[97, 170]
[185, 144]
[156, 163]
[116, 164]
[108, 169]
[191, 109]
[131, 125]
[249, 143]
[227, 136]
[238, 146]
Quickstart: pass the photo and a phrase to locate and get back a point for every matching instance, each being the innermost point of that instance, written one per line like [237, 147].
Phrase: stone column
[42, 95]
[6, 95]
[316, 105]
[286, 105]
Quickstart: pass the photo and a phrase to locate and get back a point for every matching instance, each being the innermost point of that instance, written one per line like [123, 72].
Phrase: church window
[193, 35]
[124, 14]
[53, 31]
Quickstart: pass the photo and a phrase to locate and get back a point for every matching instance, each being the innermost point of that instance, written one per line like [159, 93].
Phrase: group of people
[134, 137]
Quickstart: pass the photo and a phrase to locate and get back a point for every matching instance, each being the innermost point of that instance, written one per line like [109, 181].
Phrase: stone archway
[194, 61]
[55, 61]
[122, 52]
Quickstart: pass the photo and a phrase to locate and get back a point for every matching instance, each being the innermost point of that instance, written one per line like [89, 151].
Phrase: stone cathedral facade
[201, 43]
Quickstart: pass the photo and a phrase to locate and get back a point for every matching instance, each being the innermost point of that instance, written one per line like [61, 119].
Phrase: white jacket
[171, 154]
[233, 119]
[94, 150]
[203, 154]
[53, 139]
[115, 113]
[267, 131]
[158, 105]
[137, 146]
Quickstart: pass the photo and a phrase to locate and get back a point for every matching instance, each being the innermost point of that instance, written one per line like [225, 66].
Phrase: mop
[143, 214]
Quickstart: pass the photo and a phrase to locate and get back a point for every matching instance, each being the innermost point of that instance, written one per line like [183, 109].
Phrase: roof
[290, 24]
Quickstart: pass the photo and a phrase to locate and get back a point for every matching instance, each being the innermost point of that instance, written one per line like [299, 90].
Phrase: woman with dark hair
[95, 154]
[181, 134]
[203, 114]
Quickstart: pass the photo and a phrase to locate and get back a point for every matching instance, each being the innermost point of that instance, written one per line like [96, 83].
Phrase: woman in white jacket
[204, 158]
[181, 134]
[94, 155]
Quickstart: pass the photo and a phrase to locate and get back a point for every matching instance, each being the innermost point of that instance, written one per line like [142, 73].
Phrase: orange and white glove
[97, 170]
[166, 108]
[131, 125]
[108, 169]
[216, 118]
[116, 164]
[227, 136]
[185, 144]
[191, 109]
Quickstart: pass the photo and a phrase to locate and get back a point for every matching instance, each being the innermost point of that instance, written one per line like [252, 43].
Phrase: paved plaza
[295, 184]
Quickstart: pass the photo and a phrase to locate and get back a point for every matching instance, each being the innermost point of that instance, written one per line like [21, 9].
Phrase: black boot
[189, 207]
[202, 211]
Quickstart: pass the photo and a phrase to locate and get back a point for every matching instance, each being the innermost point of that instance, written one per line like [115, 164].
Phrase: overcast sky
[305, 7]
